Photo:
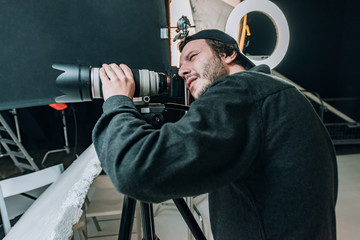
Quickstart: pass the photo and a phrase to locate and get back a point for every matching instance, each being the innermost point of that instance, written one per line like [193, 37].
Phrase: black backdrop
[37, 33]
[323, 54]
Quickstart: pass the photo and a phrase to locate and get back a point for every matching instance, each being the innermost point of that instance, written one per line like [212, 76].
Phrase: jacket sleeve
[213, 144]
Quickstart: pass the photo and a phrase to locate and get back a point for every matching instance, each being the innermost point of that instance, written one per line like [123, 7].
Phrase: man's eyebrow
[188, 54]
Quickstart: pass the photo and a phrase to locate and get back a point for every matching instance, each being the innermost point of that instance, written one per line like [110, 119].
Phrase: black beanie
[217, 35]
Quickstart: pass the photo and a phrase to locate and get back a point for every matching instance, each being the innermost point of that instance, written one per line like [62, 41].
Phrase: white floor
[170, 225]
[348, 204]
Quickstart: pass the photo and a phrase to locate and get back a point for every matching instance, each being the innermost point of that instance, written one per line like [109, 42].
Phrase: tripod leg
[147, 217]
[127, 218]
[189, 219]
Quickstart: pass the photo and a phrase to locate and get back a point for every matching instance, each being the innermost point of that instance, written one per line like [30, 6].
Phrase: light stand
[60, 107]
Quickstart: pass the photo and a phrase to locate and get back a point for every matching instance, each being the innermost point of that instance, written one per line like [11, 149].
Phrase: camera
[81, 83]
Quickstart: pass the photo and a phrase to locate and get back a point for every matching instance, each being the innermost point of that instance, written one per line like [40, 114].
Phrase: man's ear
[230, 58]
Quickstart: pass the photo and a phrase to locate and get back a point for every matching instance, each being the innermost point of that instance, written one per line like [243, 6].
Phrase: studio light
[276, 16]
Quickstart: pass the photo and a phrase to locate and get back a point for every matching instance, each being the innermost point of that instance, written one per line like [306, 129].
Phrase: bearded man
[250, 140]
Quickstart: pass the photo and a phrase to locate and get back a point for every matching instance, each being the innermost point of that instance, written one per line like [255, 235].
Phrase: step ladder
[13, 148]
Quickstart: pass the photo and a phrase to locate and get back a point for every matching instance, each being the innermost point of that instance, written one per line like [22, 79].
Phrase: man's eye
[192, 57]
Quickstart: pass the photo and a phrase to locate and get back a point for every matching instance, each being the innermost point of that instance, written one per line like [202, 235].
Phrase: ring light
[276, 16]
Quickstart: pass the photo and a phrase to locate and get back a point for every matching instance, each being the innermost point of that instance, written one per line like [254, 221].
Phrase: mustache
[191, 75]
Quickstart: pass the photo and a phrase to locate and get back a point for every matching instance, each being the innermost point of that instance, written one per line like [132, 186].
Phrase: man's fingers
[103, 75]
[113, 72]
[119, 73]
[110, 72]
[126, 70]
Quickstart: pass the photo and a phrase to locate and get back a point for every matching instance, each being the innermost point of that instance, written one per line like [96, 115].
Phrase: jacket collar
[261, 68]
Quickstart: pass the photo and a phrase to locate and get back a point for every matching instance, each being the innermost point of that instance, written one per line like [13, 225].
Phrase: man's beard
[211, 72]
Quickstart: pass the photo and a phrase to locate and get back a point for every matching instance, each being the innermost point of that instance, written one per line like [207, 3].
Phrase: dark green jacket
[252, 141]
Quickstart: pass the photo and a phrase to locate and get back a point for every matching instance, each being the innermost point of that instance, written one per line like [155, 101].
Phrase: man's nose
[183, 71]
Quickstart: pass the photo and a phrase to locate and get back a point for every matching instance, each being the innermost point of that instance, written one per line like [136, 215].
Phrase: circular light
[276, 16]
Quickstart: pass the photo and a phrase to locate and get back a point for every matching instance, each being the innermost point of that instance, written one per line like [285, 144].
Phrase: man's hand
[117, 80]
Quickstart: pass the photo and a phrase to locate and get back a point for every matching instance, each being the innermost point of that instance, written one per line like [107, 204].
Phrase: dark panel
[37, 33]
[323, 46]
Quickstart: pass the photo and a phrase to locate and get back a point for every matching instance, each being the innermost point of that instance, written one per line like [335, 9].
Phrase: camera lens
[81, 83]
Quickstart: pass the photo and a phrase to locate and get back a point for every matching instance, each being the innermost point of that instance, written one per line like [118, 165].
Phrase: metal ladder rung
[8, 141]
[17, 154]
[4, 155]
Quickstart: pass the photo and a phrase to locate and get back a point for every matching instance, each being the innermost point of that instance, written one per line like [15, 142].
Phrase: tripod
[147, 219]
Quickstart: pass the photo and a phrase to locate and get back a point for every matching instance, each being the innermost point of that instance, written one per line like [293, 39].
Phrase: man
[250, 140]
